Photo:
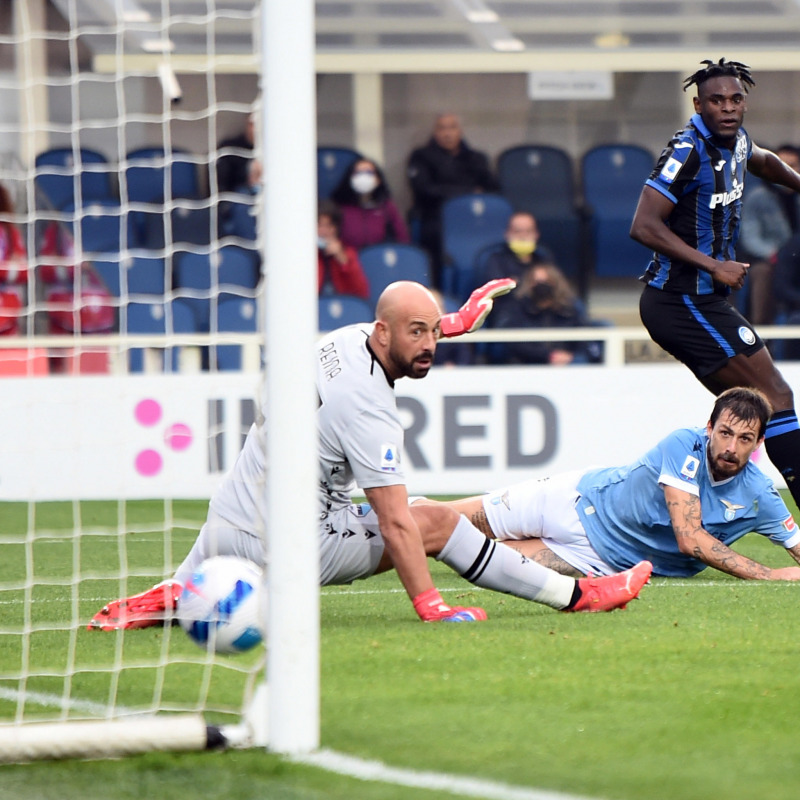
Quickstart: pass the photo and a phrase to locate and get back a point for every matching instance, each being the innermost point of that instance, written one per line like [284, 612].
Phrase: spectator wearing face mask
[543, 299]
[340, 271]
[369, 215]
[520, 250]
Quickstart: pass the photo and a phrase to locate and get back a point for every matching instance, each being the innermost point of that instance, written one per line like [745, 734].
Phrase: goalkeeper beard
[417, 367]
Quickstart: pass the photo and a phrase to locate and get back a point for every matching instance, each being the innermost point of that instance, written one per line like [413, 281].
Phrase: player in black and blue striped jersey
[689, 213]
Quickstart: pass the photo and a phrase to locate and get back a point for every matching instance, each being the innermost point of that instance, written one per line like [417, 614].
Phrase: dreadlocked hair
[734, 69]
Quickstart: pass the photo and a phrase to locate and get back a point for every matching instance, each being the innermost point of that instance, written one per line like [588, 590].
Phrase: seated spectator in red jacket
[369, 215]
[13, 256]
[340, 271]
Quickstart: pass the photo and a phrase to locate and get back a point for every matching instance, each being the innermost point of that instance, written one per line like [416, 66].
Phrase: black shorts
[702, 331]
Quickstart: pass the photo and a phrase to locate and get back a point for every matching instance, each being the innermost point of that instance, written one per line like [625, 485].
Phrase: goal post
[152, 307]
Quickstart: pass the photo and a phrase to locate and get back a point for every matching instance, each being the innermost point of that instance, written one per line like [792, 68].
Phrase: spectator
[520, 250]
[543, 299]
[786, 287]
[340, 271]
[233, 166]
[369, 215]
[445, 167]
[769, 217]
[13, 256]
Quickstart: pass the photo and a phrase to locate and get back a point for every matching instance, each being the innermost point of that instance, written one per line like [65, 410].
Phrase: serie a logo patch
[390, 458]
[689, 468]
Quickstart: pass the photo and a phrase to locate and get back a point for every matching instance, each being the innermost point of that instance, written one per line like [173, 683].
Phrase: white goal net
[132, 335]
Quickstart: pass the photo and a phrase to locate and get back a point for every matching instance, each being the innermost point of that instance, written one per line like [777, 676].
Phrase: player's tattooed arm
[693, 540]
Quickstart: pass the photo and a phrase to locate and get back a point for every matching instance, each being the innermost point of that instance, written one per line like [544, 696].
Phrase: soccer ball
[221, 605]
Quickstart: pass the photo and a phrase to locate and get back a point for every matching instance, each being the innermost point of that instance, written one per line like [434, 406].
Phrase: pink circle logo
[148, 463]
[147, 412]
[177, 437]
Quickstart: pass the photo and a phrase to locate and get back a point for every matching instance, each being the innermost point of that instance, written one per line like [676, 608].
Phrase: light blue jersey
[626, 519]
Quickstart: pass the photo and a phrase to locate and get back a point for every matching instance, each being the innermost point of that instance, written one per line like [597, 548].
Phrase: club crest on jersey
[670, 170]
[689, 468]
[730, 510]
[390, 458]
[741, 149]
[746, 335]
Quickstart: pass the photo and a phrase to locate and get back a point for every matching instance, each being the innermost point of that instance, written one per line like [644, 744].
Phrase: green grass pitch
[690, 693]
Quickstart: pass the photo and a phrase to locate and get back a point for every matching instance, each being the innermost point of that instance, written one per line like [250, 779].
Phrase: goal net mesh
[129, 339]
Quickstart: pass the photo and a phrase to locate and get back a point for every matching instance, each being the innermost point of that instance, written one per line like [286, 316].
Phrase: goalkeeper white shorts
[545, 509]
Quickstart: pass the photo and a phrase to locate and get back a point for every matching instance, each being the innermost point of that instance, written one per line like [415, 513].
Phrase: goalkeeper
[360, 444]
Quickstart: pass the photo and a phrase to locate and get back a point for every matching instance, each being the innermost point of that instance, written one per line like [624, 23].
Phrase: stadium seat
[144, 275]
[100, 226]
[187, 225]
[54, 176]
[151, 176]
[336, 311]
[191, 225]
[236, 314]
[156, 318]
[110, 274]
[332, 163]
[239, 219]
[540, 179]
[469, 224]
[386, 263]
[202, 279]
[613, 177]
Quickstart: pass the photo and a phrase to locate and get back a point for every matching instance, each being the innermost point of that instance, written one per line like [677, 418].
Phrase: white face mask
[364, 182]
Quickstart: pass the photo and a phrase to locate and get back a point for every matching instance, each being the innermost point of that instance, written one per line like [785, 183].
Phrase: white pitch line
[435, 781]
[49, 700]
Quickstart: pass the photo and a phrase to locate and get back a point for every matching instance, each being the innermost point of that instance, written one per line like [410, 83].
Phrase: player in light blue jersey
[680, 506]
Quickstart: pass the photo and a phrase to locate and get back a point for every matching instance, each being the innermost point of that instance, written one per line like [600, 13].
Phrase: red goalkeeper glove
[471, 315]
[431, 608]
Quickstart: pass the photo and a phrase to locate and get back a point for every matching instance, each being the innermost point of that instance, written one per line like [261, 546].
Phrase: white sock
[493, 565]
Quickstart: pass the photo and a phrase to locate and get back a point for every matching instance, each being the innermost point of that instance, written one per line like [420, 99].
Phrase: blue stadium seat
[540, 179]
[237, 314]
[100, 225]
[386, 263]
[150, 175]
[185, 225]
[145, 275]
[202, 279]
[239, 219]
[54, 176]
[156, 318]
[109, 273]
[469, 224]
[613, 177]
[336, 311]
[332, 163]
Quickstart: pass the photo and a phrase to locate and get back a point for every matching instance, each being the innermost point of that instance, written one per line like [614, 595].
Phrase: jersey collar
[375, 360]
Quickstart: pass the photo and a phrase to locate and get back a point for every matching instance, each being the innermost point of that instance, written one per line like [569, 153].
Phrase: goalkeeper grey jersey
[360, 435]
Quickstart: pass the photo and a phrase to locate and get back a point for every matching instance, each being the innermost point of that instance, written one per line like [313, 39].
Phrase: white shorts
[546, 509]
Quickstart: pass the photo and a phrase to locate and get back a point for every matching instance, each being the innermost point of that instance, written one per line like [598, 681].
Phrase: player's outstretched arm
[406, 553]
[694, 540]
[472, 314]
